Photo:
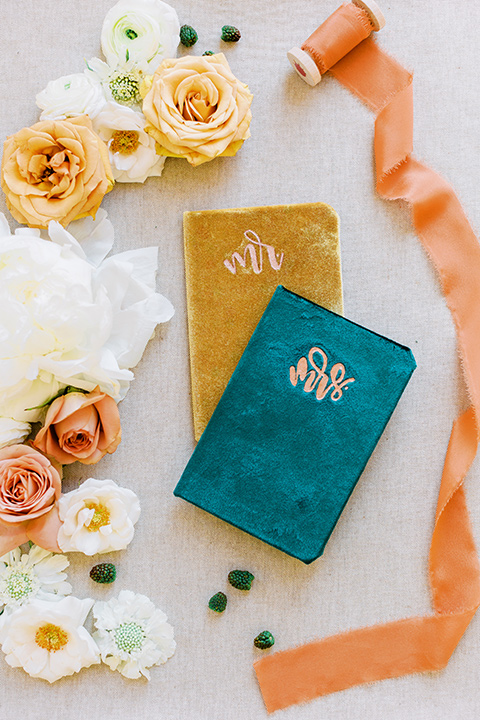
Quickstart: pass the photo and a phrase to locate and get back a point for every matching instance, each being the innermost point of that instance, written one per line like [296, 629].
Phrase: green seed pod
[218, 602]
[264, 640]
[188, 35]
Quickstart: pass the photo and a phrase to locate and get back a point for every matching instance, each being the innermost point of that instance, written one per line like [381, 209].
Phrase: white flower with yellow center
[120, 83]
[97, 518]
[48, 640]
[71, 95]
[132, 152]
[37, 574]
[132, 634]
[140, 30]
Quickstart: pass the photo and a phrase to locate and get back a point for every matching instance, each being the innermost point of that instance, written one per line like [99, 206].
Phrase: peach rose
[55, 170]
[30, 486]
[196, 108]
[80, 426]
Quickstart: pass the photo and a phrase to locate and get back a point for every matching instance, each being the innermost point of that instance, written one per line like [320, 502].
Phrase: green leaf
[127, 55]
[65, 391]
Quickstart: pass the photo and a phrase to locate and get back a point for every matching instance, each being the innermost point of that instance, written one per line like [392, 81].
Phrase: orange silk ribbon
[421, 643]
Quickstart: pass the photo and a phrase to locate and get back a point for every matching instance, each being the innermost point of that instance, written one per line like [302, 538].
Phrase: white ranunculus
[98, 517]
[71, 95]
[140, 30]
[132, 634]
[71, 316]
[47, 639]
[12, 432]
[132, 152]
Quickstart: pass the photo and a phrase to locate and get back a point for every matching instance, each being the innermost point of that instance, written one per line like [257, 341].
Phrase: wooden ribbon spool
[346, 28]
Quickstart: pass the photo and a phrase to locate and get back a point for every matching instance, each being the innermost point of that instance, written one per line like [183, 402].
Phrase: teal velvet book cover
[296, 425]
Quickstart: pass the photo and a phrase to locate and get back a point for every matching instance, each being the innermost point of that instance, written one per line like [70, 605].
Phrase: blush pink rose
[30, 486]
[80, 426]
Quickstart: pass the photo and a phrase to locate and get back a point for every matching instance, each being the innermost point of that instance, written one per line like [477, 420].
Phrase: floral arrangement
[120, 118]
[75, 319]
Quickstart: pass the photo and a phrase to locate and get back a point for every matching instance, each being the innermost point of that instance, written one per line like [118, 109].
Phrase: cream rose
[197, 109]
[55, 170]
[80, 426]
[69, 96]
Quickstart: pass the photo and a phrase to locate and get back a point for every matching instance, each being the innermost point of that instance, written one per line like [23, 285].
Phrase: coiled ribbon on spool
[426, 643]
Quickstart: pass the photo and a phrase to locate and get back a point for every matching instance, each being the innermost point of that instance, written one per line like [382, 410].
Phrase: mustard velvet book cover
[234, 260]
[296, 425]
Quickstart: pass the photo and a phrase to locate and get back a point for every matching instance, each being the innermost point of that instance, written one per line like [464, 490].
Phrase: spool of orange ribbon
[346, 28]
[415, 644]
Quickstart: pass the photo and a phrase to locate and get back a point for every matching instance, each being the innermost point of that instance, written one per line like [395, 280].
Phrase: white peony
[48, 640]
[132, 152]
[71, 316]
[140, 30]
[37, 574]
[12, 432]
[71, 95]
[132, 634]
[97, 518]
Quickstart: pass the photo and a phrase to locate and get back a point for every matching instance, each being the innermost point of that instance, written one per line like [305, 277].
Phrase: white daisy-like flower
[120, 83]
[48, 640]
[34, 575]
[132, 152]
[140, 30]
[132, 634]
[98, 517]
[71, 95]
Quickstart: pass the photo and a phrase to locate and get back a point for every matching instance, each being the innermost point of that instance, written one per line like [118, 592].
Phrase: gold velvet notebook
[234, 260]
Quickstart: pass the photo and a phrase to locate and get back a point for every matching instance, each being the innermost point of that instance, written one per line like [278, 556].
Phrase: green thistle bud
[230, 34]
[241, 579]
[188, 36]
[103, 573]
[218, 602]
[264, 640]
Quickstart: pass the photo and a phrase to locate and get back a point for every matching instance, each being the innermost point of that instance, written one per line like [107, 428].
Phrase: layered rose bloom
[196, 108]
[55, 170]
[30, 486]
[80, 426]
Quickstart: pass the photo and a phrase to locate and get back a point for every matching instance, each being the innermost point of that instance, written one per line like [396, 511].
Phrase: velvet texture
[420, 643]
[231, 278]
[296, 425]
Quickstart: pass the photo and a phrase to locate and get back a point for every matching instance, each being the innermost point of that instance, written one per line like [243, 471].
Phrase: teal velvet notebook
[296, 425]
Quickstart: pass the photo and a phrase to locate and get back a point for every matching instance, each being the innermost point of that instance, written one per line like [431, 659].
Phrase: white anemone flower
[98, 517]
[132, 634]
[48, 640]
[132, 151]
[140, 30]
[120, 83]
[69, 315]
[37, 574]
[12, 432]
[71, 95]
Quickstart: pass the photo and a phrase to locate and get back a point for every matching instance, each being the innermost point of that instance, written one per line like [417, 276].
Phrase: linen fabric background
[307, 145]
